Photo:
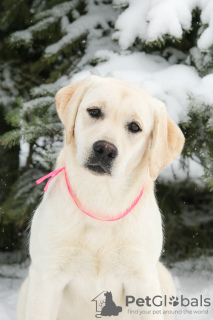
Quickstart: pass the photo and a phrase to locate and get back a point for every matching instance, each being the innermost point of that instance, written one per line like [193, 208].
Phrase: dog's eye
[134, 127]
[94, 112]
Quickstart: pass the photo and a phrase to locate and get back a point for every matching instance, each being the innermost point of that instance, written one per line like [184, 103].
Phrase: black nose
[105, 152]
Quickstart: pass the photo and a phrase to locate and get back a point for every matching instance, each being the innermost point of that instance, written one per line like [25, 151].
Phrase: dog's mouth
[96, 168]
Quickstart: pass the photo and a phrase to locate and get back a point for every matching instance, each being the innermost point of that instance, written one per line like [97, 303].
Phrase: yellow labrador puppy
[117, 139]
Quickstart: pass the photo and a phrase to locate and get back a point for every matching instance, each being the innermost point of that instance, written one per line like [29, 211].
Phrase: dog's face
[112, 128]
[113, 122]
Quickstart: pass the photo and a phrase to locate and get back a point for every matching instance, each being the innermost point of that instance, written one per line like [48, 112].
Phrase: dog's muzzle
[102, 157]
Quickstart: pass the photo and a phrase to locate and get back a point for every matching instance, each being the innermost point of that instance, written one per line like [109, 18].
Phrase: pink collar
[55, 172]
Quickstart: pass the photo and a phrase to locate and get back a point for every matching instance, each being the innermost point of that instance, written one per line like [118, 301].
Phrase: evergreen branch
[11, 138]
[59, 10]
[35, 104]
[10, 12]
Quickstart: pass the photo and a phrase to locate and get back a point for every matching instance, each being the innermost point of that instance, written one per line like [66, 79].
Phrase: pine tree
[58, 40]
[15, 82]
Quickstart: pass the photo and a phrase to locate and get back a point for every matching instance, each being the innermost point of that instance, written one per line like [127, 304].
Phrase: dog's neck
[104, 196]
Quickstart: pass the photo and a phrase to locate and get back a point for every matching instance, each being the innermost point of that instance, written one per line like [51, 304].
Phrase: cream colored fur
[75, 257]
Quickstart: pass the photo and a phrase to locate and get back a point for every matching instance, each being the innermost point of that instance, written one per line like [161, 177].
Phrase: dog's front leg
[142, 298]
[44, 295]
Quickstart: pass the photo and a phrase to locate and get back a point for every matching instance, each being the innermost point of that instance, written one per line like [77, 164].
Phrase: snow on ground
[193, 278]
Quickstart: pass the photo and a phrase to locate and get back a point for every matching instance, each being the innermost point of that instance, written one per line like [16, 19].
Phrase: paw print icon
[173, 301]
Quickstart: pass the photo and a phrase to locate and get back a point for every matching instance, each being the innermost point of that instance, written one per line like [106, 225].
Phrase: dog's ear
[67, 102]
[167, 140]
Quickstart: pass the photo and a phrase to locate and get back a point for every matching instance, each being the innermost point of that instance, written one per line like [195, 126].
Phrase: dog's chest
[79, 246]
[105, 251]
[104, 261]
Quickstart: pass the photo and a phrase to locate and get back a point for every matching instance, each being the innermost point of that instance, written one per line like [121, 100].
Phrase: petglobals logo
[105, 306]
[158, 301]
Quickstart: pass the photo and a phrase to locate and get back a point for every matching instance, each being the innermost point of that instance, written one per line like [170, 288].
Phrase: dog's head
[108, 295]
[116, 125]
